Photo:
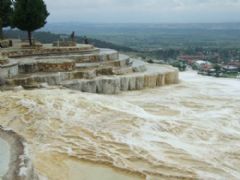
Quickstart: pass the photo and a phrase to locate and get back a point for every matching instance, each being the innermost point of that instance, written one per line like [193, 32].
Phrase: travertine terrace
[81, 67]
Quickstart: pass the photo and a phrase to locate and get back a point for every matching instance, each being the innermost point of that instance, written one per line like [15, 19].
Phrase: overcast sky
[142, 11]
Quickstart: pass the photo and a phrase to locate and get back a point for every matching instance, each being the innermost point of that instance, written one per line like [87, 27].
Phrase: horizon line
[80, 22]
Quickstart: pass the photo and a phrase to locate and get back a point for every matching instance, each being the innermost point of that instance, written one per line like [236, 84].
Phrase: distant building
[190, 59]
[235, 63]
[202, 65]
[231, 69]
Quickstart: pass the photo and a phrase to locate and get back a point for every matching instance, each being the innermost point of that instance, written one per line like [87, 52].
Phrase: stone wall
[20, 167]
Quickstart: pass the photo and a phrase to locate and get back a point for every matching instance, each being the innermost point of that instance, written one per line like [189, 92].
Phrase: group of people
[85, 39]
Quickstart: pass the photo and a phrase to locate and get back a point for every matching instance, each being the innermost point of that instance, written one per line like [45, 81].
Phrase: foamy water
[190, 130]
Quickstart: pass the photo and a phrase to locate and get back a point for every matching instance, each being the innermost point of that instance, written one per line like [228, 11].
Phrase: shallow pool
[4, 157]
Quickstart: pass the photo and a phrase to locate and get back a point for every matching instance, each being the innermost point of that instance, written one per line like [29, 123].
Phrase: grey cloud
[144, 10]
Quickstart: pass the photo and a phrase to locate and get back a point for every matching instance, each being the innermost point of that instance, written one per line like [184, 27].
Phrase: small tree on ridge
[29, 15]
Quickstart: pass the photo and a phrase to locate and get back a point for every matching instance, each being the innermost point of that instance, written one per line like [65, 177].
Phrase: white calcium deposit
[190, 130]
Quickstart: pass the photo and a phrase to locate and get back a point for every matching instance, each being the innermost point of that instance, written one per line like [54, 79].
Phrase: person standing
[86, 40]
[73, 36]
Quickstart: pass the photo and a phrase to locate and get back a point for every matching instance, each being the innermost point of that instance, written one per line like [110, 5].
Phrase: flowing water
[186, 131]
[4, 157]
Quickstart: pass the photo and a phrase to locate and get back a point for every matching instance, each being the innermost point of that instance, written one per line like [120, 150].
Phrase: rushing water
[4, 157]
[190, 130]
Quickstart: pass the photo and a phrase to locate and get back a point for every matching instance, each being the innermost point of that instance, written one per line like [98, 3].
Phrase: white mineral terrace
[4, 157]
[84, 68]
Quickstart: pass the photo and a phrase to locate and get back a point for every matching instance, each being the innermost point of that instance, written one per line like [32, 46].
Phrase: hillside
[48, 37]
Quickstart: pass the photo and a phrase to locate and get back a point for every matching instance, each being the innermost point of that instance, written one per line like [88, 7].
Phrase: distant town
[228, 69]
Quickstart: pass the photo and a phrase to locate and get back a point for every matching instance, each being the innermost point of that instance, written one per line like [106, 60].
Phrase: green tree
[30, 15]
[218, 68]
[5, 14]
